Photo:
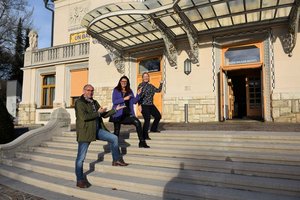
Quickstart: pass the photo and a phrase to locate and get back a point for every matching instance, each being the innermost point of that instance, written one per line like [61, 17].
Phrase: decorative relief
[75, 16]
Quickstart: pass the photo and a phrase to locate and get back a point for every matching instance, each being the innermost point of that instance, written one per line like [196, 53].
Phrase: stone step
[242, 168]
[224, 146]
[262, 184]
[146, 186]
[289, 137]
[66, 187]
[203, 154]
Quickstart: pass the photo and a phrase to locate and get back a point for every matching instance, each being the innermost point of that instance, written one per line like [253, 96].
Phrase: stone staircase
[189, 165]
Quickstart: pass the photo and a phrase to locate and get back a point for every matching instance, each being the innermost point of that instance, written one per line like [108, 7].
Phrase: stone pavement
[7, 193]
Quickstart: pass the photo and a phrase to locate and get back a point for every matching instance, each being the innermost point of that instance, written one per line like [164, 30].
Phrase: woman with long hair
[123, 95]
[147, 106]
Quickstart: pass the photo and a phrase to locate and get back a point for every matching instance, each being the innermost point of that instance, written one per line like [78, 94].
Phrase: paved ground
[7, 193]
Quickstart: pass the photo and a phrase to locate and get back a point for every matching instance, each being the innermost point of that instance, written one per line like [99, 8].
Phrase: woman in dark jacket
[147, 106]
[123, 95]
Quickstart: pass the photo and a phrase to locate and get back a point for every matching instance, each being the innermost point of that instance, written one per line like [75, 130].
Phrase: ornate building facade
[220, 60]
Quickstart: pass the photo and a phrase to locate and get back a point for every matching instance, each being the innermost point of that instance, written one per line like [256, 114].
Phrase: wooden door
[253, 94]
[155, 73]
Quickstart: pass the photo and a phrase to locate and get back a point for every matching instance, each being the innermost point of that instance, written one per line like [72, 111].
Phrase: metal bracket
[168, 40]
[293, 28]
[193, 53]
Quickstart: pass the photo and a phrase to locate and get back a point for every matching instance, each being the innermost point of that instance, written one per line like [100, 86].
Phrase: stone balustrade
[57, 54]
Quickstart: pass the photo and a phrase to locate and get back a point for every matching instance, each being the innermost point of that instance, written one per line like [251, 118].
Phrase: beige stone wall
[200, 109]
[286, 107]
[26, 114]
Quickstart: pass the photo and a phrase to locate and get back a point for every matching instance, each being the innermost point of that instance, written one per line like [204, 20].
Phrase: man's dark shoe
[143, 144]
[155, 131]
[119, 163]
[147, 138]
[83, 184]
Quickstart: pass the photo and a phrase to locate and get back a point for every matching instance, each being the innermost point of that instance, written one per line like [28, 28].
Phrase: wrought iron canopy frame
[132, 26]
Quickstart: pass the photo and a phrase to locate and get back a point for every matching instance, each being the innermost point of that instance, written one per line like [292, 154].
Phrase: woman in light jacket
[123, 95]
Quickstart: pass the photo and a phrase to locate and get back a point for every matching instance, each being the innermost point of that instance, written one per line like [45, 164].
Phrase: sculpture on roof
[33, 40]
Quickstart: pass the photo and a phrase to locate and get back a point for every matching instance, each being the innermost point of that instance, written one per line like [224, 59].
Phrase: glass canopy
[130, 25]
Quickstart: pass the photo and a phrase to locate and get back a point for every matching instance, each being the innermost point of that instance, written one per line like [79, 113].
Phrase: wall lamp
[187, 66]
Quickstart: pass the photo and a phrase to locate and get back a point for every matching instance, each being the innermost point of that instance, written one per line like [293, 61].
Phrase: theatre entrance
[241, 83]
[244, 94]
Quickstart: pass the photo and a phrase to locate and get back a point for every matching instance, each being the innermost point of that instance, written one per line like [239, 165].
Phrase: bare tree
[10, 13]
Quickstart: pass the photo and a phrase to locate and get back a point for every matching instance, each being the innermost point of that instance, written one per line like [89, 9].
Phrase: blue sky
[41, 22]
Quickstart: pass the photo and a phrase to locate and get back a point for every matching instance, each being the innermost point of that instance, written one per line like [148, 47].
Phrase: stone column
[60, 99]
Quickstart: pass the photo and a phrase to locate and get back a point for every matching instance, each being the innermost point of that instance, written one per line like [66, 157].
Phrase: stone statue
[33, 40]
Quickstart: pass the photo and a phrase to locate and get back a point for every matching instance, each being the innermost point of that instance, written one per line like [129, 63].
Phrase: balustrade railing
[61, 53]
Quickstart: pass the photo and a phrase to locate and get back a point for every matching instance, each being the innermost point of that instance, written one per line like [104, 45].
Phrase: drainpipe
[50, 6]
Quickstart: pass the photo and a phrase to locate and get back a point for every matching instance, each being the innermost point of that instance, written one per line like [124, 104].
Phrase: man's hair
[87, 85]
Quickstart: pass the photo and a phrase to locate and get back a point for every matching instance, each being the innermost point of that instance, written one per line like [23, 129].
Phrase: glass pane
[185, 4]
[268, 3]
[168, 21]
[95, 29]
[131, 30]
[239, 19]
[117, 20]
[134, 39]
[200, 2]
[139, 28]
[109, 36]
[151, 36]
[126, 18]
[127, 41]
[193, 15]
[268, 14]
[123, 32]
[236, 6]
[225, 21]
[102, 26]
[241, 55]
[149, 65]
[221, 9]
[45, 96]
[49, 80]
[283, 12]
[252, 4]
[52, 96]
[178, 31]
[143, 38]
[253, 17]
[115, 34]
[109, 23]
[281, 2]
[212, 24]
[122, 44]
[206, 12]
[200, 26]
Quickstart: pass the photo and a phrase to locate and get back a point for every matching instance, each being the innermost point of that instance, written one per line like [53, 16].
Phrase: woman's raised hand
[127, 97]
[119, 107]
[139, 90]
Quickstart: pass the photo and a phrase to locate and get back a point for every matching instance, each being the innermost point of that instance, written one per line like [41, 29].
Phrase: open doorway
[244, 94]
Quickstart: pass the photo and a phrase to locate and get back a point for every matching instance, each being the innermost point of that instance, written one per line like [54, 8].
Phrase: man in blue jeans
[90, 127]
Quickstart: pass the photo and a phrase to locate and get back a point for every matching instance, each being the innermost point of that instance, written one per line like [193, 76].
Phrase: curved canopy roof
[127, 26]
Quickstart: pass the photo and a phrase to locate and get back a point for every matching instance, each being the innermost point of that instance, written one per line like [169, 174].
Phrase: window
[48, 90]
[242, 55]
[149, 65]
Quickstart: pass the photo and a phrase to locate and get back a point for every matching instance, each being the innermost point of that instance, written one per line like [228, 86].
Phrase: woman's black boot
[143, 144]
